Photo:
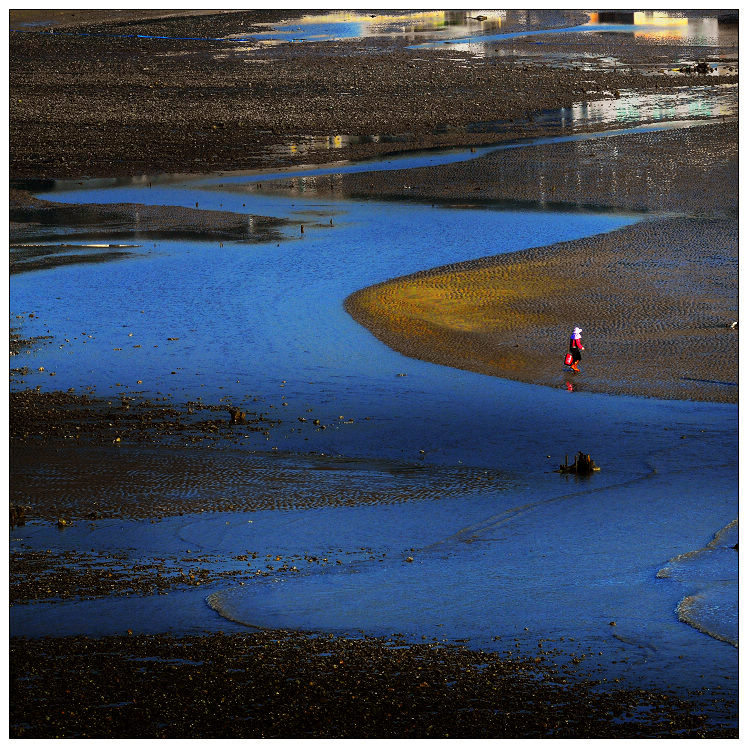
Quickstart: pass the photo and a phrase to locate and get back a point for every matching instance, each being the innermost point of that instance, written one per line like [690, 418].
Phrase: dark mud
[46, 575]
[59, 418]
[18, 344]
[33, 220]
[654, 52]
[278, 684]
[55, 256]
[77, 20]
[49, 576]
[699, 176]
[124, 477]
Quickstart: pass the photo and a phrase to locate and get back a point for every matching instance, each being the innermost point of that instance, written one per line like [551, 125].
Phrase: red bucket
[568, 360]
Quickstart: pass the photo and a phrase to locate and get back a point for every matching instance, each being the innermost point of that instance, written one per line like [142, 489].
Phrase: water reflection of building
[654, 24]
[316, 184]
[630, 109]
[350, 25]
[317, 143]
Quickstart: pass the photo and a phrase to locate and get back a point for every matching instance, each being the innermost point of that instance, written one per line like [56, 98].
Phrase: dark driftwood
[583, 465]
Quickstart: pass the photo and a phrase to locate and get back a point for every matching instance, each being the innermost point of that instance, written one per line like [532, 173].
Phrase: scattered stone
[281, 684]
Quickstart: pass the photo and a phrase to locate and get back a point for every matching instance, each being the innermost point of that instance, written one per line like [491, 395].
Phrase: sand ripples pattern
[165, 482]
[655, 301]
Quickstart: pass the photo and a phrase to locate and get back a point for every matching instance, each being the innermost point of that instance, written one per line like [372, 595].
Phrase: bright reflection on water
[631, 108]
[622, 108]
[340, 25]
[662, 25]
[647, 26]
[479, 26]
[628, 108]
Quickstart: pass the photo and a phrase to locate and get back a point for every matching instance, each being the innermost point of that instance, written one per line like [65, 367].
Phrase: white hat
[577, 329]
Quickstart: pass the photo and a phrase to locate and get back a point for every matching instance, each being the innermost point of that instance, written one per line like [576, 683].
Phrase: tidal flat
[288, 307]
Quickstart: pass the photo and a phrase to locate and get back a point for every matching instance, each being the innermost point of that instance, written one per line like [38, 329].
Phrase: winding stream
[538, 556]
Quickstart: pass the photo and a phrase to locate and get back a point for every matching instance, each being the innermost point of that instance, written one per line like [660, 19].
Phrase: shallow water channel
[531, 556]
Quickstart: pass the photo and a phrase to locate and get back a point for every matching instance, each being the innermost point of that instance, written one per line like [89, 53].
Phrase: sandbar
[656, 300]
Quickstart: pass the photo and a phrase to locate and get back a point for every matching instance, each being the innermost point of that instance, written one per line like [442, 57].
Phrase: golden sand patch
[655, 301]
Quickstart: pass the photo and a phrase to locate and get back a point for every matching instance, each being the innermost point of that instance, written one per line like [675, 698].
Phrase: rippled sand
[161, 481]
[655, 301]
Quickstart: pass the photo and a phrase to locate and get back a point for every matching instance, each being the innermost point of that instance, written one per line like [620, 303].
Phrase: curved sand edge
[654, 300]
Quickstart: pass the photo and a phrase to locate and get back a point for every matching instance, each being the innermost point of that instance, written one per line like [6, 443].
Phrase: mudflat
[288, 685]
[119, 116]
[91, 95]
[96, 98]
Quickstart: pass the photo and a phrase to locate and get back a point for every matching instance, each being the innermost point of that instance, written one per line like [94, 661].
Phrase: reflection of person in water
[576, 348]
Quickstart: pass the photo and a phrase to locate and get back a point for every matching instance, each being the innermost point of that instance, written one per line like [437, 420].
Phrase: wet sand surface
[699, 176]
[143, 483]
[139, 106]
[655, 300]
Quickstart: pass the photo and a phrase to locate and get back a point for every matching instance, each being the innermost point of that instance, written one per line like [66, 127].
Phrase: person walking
[576, 348]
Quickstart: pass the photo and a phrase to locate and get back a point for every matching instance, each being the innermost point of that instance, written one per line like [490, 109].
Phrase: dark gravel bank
[112, 105]
[699, 175]
[277, 684]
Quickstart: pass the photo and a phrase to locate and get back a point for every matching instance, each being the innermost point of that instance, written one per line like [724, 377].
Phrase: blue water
[708, 576]
[296, 287]
[543, 556]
